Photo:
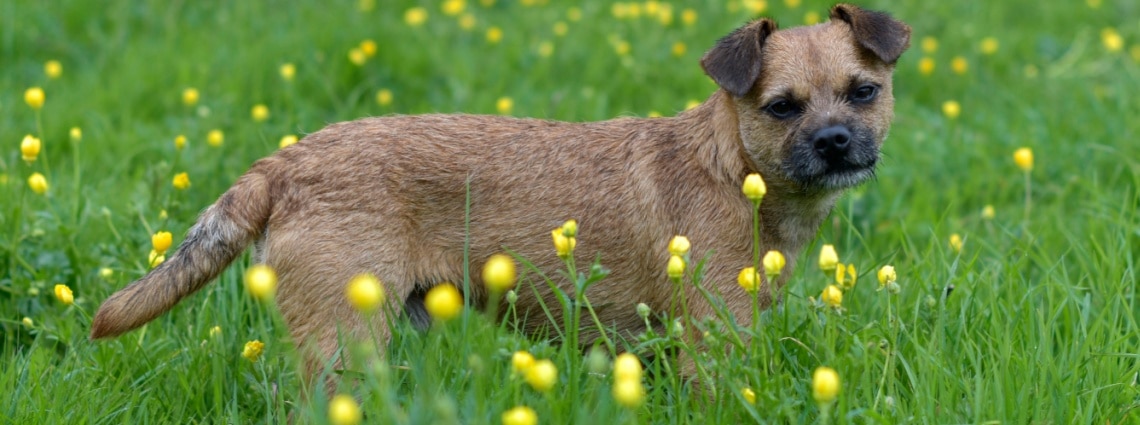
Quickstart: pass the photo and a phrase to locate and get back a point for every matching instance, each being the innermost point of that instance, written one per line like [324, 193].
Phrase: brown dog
[807, 108]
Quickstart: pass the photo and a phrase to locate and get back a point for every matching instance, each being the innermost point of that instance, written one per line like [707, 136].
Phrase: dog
[808, 108]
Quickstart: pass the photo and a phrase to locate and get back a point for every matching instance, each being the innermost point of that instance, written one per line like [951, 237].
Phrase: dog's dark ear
[734, 63]
[878, 32]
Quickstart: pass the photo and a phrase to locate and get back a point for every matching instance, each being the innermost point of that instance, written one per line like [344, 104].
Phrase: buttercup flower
[679, 49]
[34, 97]
[30, 148]
[951, 109]
[368, 47]
[453, 7]
[988, 212]
[824, 385]
[494, 35]
[542, 375]
[190, 96]
[560, 28]
[215, 331]
[286, 141]
[443, 302]
[364, 293]
[504, 105]
[689, 17]
[1023, 157]
[467, 22]
[415, 16]
[563, 245]
[252, 350]
[679, 245]
[179, 142]
[520, 415]
[629, 393]
[63, 294]
[959, 65]
[288, 71]
[926, 66]
[384, 97]
[38, 183]
[53, 69]
[811, 17]
[106, 273]
[627, 367]
[828, 258]
[887, 275]
[259, 113]
[499, 273]
[261, 281]
[989, 45]
[748, 279]
[956, 242]
[215, 138]
[161, 241]
[832, 296]
[570, 228]
[749, 395]
[76, 134]
[929, 44]
[343, 410]
[1112, 40]
[357, 56]
[845, 276]
[181, 181]
[155, 258]
[521, 361]
[754, 187]
[676, 267]
[774, 263]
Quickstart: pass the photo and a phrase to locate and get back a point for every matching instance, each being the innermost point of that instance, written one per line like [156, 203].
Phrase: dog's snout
[832, 142]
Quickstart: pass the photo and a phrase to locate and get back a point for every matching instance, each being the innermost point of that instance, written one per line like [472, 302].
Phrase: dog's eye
[782, 109]
[864, 93]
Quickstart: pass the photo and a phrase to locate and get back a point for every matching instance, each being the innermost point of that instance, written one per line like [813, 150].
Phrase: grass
[1041, 325]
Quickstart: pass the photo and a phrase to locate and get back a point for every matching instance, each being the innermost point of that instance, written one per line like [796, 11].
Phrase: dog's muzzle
[833, 157]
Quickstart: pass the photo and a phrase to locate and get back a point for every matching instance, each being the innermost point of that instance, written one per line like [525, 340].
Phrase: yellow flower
[929, 44]
[755, 7]
[754, 187]
[34, 97]
[521, 361]
[563, 245]
[38, 183]
[443, 302]
[689, 17]
[845, 276]
[679, 49]
[560, 28]
[545, 49]
[887, 275]
[749, 395]
[368, 47]
[629, 393]
[824, 385]
[679, 245]
[774, 263]
[504, 105]
[520, 415]
[453, 7]
[190, 96]
[832, 296]
[364, 293]
[676, 267]
[951, 109]
[384, 97]
[161, 241]
[155, 258]
[926, 66]
[415, 16]
[252, 350]
[259, 113]
[53, 69]
[988, 212]
[748, 279]
[287, 140]
[63, 294]
[215, 138]
[30, 148]
[106, 273]
[181, 181]
[792, 4]
[499, 273]
[956, 242]
[261, 281]
[622, 48]
[959, 65]
[811, 17]
[1023, 157]
[627, 367]
[542, 375]
[288, 71]
[343, 410]
[570, 228]
[179, 142]
[27, 321]
[989, 45]
[573, 14]
[1112, 40]
[494, 35]
[467, 22]
[828, 258]
[357, 57]
[366, 5]
[76, 134]
[215, 331]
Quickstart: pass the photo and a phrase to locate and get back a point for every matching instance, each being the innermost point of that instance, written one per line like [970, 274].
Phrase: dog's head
[814, 103]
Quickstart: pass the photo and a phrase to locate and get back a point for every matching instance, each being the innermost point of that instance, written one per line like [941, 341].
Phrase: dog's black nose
[832, 142]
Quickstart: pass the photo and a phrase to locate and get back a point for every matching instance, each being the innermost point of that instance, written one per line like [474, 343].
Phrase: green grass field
[1042, 325]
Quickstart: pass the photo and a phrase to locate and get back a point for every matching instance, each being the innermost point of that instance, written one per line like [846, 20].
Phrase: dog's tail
[222, 233]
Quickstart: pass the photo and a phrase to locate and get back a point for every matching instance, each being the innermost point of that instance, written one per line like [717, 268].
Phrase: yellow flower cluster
[660, 11]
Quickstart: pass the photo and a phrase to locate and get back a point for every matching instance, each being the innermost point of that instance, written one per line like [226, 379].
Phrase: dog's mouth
[833, 158]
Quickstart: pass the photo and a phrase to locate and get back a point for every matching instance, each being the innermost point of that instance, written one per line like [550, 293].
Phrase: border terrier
[808, 108]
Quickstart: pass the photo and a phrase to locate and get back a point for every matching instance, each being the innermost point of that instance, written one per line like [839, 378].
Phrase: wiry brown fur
[387, 195]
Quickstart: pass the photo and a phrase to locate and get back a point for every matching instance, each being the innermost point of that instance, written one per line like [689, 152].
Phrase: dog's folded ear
[734, 62]
[878, 32]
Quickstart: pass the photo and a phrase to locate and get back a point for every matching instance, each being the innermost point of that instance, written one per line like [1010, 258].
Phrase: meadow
[1015, 299]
